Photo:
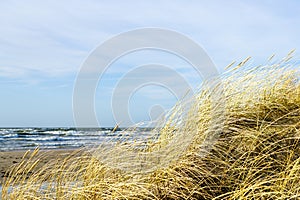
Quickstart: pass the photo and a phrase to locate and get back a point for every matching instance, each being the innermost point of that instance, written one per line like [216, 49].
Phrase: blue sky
[44, 43]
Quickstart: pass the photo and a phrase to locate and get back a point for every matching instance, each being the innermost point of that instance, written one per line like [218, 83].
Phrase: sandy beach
[10, 158]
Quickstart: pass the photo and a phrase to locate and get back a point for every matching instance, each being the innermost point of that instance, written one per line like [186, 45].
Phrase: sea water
[59, 138]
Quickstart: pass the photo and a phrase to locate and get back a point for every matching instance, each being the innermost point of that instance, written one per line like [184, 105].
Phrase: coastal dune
[253, 154]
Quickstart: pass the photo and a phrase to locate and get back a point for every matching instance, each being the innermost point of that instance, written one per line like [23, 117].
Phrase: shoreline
[10, 158]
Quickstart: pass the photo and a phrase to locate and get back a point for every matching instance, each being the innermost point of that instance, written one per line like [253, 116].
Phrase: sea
[12, 139]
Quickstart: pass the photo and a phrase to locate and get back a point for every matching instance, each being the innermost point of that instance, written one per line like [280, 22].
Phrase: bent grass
[256, 154]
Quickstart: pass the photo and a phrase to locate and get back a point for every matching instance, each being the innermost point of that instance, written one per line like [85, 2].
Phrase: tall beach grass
[243, 145]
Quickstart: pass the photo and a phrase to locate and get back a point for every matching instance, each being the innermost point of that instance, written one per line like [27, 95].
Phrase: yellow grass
[250, 151]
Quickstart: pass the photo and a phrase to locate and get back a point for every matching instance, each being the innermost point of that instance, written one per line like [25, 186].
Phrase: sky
[43, 45]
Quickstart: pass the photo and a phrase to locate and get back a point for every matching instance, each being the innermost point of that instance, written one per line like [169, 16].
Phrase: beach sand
[10, 158]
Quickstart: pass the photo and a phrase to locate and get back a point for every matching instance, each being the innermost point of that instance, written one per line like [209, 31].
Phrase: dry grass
[245, 144]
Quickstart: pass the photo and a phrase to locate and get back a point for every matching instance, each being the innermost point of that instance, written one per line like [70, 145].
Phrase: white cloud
[55, 37]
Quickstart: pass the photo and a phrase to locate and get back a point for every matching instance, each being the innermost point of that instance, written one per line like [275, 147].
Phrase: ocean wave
[29, 138]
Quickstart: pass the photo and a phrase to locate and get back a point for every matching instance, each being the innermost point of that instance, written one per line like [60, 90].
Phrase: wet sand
[10, 158]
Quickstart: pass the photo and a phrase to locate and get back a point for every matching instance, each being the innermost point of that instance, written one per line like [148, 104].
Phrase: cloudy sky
[44, 43]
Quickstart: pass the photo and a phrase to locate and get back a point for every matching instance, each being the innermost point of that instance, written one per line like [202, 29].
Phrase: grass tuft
[242, 144]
